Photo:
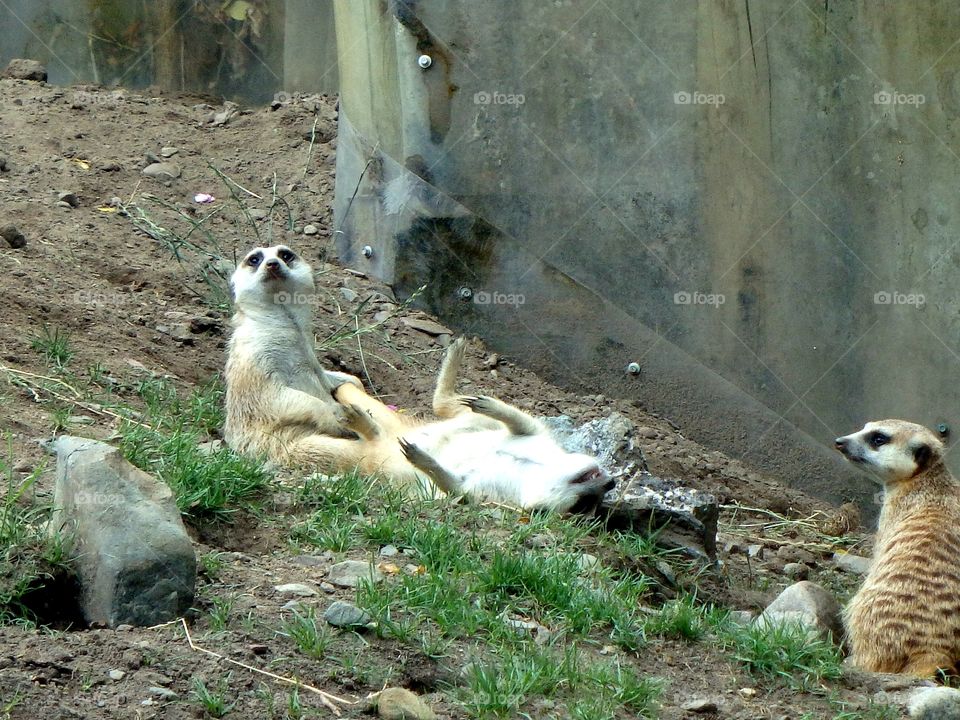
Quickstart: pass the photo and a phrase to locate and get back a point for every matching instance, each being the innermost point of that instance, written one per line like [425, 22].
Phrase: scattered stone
[426, 326]
[808, 604]
[310, 230]
[22, 69]
[741, 617]
[401, 704]
[211, 447]
[755, 551]
[588, 563]
[647, 433]
[13, 236]
[934, 703]
[795, 554]
[70, 198]
[389, 551]
[344, 614]
[796, 571]
[855, 564]
[327, 587]
[257, 213]
[168, 151]
[123, 627]
[294, 605]
[747, 692]
[348, 294]
[162, 693]
[23, 467]
[162, 171]
[298, 589]
[80, 420]
[350, 573]
[700, 705]
[137, 564]
[117, 674]
[3, 163]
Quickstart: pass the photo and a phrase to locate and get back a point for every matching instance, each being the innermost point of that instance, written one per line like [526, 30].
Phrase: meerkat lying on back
[483, 447]
[277, 392]
[906, 617]
[279, 404]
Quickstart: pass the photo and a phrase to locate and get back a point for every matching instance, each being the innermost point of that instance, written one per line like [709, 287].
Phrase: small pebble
[117, 674]
[310, 230]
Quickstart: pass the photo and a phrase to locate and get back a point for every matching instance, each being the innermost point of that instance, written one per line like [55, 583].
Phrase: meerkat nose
[840, 443]
[273, 263]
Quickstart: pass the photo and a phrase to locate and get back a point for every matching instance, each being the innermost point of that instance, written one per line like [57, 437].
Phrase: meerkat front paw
[333, 421]
[338, 378]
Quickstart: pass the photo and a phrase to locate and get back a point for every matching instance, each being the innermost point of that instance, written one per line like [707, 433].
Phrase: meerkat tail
[446, 401]
[324, 454]
[517, 421]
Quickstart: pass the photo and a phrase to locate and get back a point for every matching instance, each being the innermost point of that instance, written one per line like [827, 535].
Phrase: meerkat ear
[922, 454]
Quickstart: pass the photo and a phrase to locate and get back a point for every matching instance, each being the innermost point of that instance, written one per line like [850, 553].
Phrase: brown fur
[906, 616]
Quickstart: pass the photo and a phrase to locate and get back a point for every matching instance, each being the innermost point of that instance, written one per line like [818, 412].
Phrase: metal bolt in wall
[424, 61]
[367, 251]
[633, 368]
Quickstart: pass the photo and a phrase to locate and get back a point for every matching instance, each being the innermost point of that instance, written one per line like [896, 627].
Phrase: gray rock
[797, 571]
[162, 171]
[687, 518]
[70, 198]
[809, 605]
[13, 236]
[297, 589]
[348, 294]
[855, 564]
[162, 693]
[935, 703]
[117, 674]
[21, 69]
[344, 614]
[401, 704]
[310, 230]
[389, 551]
[350, 573]
[700, 705]
[135, 561]
[168, 151]
[257, 213]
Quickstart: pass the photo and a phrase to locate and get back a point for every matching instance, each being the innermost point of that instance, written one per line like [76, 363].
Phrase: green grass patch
[167, 441]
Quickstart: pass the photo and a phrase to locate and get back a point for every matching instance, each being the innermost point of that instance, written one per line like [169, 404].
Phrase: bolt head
[367, 251]
[424, 61]
[633, 368]
[465, 293]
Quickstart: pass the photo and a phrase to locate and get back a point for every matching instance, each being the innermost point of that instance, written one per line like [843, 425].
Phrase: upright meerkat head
[271, 277]
[892, 450]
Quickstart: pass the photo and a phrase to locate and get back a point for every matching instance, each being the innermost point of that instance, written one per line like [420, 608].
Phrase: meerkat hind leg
[517, 421]
[446, 401]
[386, 419]
[361, 422]
[425, 462]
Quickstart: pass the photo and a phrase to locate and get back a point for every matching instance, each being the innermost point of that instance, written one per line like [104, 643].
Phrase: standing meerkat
[906, 616]
[281, 403]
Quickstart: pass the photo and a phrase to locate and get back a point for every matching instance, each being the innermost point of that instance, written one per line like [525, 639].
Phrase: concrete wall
[749, 199]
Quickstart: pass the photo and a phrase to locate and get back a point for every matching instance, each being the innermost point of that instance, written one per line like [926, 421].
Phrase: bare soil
[120, 295]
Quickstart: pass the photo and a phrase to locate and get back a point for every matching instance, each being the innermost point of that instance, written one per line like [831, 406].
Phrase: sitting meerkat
[279, 404]
[277, 392]
[906, 617]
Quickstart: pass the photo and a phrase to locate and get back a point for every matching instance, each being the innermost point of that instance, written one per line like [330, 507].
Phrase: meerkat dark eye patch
[287, 255]
[255, 259]
[878, 439]
[922, 455]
